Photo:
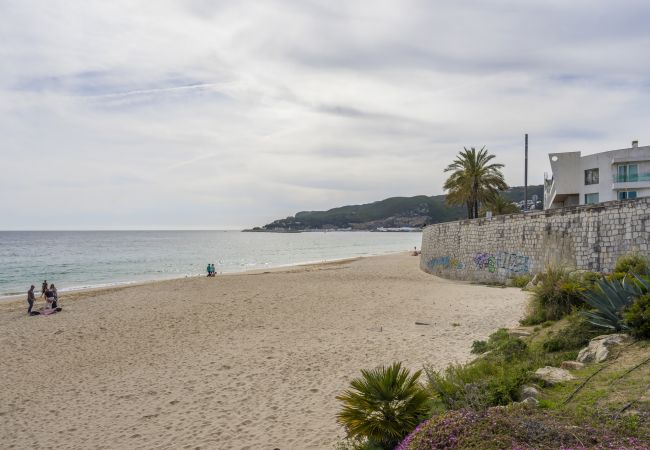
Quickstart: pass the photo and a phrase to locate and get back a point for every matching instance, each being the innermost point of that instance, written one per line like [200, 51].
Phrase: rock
[532, 283]
[598, 348]
[518, 332]
[553, 375]
[571, 365]
[529, 392]
[530, 401]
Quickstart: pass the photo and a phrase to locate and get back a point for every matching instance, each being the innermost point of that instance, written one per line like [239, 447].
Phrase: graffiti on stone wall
[445, 262]
[485, 261]
[511, 262]
[456, 264]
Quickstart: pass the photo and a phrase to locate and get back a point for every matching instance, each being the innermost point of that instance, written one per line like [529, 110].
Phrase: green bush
[383, 405]
[632, 263]
[479, 347]
[637, 317]
[521, 281]
[557, 294]
[495, 379]
[590, 278]
[478, 385]
[574, 336]
[496, 340]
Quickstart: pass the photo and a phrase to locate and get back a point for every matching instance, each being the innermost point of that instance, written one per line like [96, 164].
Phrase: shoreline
[120, 284]
[124, 284]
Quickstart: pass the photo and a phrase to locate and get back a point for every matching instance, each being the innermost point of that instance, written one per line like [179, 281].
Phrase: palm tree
[500, 205]
[384, 405]
[473, 180]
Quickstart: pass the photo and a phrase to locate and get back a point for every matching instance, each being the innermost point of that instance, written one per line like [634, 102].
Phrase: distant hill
[392, 212]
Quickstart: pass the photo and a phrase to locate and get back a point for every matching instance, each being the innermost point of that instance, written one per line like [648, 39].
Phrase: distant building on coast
[601, 177]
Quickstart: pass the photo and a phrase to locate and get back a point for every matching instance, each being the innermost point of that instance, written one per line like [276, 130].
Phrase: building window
[627, 172]
[591, 176]
[624, 195]
[591, 198]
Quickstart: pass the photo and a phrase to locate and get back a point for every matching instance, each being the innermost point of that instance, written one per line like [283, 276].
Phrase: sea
[75, 260]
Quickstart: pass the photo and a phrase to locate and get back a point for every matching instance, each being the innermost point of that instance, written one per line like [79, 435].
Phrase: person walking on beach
[214, 273]
[55, 294]
[43, 287]
[30, 299]
[209, 270]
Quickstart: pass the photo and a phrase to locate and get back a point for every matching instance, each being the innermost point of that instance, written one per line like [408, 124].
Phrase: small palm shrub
[610, 297]
[383, 405]
[556, 295]
[637, 317]
[632, 263]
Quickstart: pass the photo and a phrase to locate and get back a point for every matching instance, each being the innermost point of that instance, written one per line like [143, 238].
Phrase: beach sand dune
[249, 361]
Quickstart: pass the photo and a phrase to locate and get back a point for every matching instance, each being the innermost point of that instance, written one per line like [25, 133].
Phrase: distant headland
[391, 214]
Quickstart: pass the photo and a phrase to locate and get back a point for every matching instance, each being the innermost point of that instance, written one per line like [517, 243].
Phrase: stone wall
[588, 237]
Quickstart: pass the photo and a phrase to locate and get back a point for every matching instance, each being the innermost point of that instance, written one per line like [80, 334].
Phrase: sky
[225, 114]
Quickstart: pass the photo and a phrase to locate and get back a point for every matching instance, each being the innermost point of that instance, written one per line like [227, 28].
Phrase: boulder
[598, 348]
[571, 365]
[553, 375]
[529, 392]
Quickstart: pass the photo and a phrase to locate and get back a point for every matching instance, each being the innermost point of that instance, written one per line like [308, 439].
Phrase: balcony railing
[631, 178]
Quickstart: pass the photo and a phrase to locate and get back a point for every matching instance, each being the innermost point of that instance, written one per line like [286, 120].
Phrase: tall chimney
[635, 144]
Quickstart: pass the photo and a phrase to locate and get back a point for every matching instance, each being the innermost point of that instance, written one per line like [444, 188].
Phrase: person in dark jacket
[30, 299]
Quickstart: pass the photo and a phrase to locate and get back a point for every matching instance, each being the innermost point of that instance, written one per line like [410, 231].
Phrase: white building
[601, 177]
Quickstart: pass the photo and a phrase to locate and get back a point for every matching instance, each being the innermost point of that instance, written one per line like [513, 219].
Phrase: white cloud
[200, 113]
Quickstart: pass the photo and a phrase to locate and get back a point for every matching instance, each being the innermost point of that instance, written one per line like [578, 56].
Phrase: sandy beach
[248, 361]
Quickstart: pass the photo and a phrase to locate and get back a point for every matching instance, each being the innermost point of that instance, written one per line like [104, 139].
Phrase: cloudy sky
[197, 113]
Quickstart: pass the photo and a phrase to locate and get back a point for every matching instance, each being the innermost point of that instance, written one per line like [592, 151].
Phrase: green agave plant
[610, 298]
[383, 405]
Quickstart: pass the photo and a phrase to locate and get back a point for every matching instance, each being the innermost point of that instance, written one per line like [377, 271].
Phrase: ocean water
[82, 259]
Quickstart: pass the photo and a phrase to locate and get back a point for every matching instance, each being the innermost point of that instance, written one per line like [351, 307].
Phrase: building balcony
[631, 178]
[626, 182]
[549, 192]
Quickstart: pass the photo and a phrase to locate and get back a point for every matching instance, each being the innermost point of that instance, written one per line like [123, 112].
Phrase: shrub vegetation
[493, 379]
[574, 336]
[556, 295]
[521, 281]
[382, 406]
[633, 263]
[637, 317]
[513, 427]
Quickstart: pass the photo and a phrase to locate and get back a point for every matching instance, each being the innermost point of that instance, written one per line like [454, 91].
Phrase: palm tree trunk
[469, 209]
[475, 195]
